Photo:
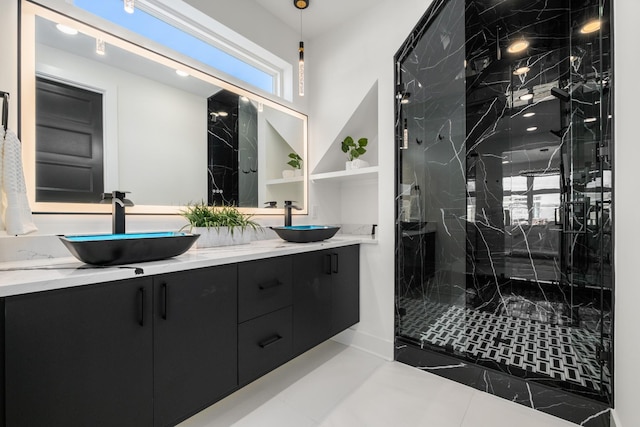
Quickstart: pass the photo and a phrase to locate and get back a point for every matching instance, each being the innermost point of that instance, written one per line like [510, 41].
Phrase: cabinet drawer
[264, 286]
[264, 343]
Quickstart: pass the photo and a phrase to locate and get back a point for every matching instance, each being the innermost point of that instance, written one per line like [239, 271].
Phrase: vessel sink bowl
[305, 233]
[114, 249]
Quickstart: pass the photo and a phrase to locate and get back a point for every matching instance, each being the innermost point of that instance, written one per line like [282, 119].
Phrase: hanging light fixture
[129, 6]
[301, 4]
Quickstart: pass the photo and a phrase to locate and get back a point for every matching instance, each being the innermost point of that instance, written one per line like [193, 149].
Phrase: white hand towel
[14, 206]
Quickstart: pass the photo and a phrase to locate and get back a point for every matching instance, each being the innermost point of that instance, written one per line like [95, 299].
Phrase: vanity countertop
[21, 277]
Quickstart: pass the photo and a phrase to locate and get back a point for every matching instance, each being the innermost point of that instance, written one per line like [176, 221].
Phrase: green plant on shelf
[354, 149]
[296, 161]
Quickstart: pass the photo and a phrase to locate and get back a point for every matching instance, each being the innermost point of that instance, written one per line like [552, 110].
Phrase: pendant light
[129, 6]
[301, 4]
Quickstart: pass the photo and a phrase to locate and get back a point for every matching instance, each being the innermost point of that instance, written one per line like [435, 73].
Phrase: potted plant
[219, 226]
[295, 161]
[353, 150]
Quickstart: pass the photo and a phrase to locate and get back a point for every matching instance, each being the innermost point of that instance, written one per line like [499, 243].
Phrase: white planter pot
[297, 172]
[221, 236]
[356, 164]
[287, 173]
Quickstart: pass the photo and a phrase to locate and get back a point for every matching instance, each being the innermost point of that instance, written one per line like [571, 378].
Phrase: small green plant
[295, 162]
[354, 149]
[202, 215]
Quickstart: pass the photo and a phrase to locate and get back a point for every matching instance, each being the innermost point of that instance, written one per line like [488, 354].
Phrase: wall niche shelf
[370, 172]
[279, 181]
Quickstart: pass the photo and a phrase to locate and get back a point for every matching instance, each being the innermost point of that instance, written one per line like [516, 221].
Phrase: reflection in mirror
[111, 115]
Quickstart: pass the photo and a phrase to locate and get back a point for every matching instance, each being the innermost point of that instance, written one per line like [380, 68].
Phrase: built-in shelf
[346, 175]
[285, 180]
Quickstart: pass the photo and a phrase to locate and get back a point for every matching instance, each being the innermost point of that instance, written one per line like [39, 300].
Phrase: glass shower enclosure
[504, 197]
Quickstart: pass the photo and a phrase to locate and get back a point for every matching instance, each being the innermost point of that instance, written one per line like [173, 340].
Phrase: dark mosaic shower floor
[558, 351]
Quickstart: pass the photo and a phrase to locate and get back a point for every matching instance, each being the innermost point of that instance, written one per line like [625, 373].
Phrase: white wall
[626, 213]
[342, 66]
[8, 53]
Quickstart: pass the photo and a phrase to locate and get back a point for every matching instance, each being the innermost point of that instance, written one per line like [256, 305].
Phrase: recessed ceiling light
[526, 97]
[518, 46]
[529, 114]
[223, 113]
[590, 27]
[182, 73]
[67, 30]
[590, 120]
[532, 128]
[505, 162]
[521, 70]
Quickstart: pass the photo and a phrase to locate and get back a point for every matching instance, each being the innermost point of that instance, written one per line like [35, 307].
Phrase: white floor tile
[338, 386]
[275, 413]
[399, 395]
[319, 392]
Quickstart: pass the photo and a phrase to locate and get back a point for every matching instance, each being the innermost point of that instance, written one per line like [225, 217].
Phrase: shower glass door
[504, 183]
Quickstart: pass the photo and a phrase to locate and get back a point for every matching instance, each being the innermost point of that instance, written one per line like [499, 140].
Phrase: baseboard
[615, 422]
[366, 342]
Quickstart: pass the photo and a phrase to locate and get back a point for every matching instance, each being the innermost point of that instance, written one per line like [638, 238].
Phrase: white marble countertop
[21, 277]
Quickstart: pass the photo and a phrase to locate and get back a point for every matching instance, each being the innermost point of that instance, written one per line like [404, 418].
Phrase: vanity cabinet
[264, 316]
[154, 350]
[326, 295]
[80, 356]
[139, 352]
[194, 341]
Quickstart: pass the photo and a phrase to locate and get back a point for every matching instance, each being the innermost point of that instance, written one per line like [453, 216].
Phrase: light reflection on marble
[519, 205]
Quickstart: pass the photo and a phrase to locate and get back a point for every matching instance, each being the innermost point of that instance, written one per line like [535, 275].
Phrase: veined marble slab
[21, 277]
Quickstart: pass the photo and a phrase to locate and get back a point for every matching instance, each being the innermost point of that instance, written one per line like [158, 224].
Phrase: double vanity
[151, 344]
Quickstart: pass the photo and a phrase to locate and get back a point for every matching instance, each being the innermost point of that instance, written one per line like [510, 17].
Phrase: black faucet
[118, 202]
[288, 206]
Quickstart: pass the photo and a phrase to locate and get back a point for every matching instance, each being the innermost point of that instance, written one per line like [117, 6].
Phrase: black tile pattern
[560, 352]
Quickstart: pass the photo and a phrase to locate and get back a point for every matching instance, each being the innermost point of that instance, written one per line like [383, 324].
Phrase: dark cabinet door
[195, 341]
[80, 356]
[311, 299]
[345, 288]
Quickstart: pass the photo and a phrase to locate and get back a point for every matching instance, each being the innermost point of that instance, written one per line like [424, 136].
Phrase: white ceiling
[319, 17]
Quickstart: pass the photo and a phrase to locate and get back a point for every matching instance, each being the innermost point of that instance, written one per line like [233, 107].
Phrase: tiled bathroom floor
[338, 386]
[557, 351]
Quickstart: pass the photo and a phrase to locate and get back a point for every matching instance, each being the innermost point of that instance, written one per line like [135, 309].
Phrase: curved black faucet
[118, 202]
[288, 206]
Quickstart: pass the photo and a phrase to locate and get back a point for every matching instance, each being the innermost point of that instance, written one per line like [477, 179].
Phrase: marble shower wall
[504, 198]
[232, 154]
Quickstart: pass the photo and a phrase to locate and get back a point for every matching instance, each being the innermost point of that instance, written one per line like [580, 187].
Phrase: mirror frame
[27, 113]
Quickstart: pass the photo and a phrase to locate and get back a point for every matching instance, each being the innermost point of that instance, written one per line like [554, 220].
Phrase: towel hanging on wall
[15, 213]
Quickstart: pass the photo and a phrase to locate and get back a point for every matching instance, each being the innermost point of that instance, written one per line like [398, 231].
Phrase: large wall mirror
[134, 120]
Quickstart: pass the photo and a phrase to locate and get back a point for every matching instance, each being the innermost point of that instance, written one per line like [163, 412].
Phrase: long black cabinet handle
[269, 341]
[164, 297]
[268, 285]
[327, 264]
[334, 263]
[141, 306]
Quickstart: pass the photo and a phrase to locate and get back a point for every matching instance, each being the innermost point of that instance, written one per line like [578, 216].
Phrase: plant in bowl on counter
[295, 161]
[353, 150]
[219, 225]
